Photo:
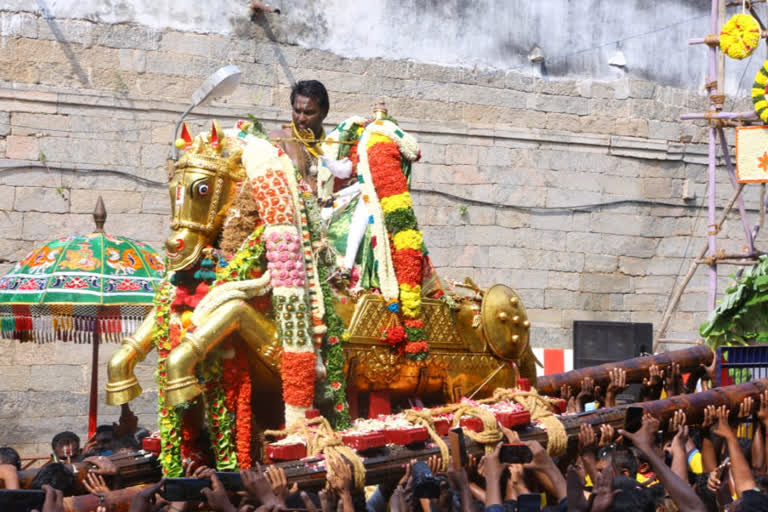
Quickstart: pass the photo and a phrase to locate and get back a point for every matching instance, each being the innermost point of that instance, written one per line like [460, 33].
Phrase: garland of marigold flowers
[332, 350]
[169, 420]
[406, 242]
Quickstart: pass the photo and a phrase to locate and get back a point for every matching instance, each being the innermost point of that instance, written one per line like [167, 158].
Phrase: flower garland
[396, 239]
[332, 350]
[740, 36]
[299, 310]
[759, 92]
[169, 420]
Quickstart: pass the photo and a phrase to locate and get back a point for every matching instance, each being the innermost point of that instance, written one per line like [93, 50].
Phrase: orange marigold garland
[406, 246]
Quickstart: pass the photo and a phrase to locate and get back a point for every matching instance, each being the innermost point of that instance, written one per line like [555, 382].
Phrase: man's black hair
[623, 458]
[10, 456]
[311, 89]
[58, 476]
[633, 497]
[128, 442]
[63, 437]
[105, 428]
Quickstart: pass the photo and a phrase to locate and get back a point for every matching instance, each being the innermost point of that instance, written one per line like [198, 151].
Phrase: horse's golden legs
[236, 315]
[122, 386]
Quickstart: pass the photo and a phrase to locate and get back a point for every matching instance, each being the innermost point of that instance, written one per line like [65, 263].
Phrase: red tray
[407, 435]
[472, 423]
[365, 441]
[560, 406]
[286, 451]
[442, 426]
[151, 444]
[514, 419]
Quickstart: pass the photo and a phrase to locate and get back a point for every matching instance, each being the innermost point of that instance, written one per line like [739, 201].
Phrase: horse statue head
[202, 189]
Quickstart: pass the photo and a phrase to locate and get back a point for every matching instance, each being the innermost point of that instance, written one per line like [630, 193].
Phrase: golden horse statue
[242, 317]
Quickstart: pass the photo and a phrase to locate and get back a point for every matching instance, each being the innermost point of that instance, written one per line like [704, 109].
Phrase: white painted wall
[577, 37]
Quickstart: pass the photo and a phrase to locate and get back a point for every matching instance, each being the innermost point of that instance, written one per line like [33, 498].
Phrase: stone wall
[583, 195]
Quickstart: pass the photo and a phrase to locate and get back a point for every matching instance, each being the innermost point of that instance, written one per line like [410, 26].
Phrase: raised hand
[217, 497]
[587, 393]
[762, 411]
[258, 487]
[587, 438]
[745, 408]
[673, 383]
[566, 392]
[651, 387]
[677, 420]
[616, 385]
[607, 434]
[710, 416]
[722, 428]
[279, 482]
[643, 438]
[95, 484]
[711, 369]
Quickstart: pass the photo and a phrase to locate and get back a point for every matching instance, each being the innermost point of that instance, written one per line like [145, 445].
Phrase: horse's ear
[185, 135]
[214, 135]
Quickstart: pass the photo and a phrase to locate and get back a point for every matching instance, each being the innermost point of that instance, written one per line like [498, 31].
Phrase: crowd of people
[718, 464]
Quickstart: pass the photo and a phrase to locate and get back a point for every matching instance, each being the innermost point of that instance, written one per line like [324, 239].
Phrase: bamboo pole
[691, 271]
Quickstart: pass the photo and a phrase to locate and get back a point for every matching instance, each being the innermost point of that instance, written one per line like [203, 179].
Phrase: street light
[222, 83]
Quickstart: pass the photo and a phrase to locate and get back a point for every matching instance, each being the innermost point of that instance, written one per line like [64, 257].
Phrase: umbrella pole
[94, 403]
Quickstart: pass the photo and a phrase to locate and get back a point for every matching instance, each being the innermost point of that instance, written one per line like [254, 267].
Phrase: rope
[424, 418]
[323, 439]
[541, 410]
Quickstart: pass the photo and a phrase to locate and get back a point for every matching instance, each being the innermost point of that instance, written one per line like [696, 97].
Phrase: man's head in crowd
[10, 456]
[65, 444]
[57, 475]
[309, 102]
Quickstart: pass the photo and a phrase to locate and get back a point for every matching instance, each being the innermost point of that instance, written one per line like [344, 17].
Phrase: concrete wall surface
[573, 182]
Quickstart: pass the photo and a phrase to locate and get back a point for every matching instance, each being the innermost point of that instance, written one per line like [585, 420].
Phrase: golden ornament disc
[505, 322]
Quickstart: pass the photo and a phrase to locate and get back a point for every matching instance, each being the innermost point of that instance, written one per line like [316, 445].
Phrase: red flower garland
[296, 392]
[407, 263]
[243, 425]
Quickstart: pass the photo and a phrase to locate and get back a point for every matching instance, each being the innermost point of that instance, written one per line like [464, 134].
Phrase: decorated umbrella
[90, 288]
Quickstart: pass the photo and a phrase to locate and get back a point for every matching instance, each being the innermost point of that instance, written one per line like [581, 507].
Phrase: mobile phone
[515, 454]
[21, 500]
[456, 435]
[185, 489]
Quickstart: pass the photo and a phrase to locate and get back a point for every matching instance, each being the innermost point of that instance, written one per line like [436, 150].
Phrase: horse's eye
[202, 189]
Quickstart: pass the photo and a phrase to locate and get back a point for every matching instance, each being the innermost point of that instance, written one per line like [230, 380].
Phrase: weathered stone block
[45, 226]
[563, 280]
[115, 201]
[22, 148]
[461, 155]
[137, 37]
[39, 199]
[11, 224]
[561, 104]
[566, 299]
[605, 283]
[15, 378]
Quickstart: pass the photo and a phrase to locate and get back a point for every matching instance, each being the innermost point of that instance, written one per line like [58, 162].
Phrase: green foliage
[256, 128]
[742, 316]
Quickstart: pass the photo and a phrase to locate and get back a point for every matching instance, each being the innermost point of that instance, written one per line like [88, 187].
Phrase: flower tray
[472, 423]
[365, 441]
[286, 451]
[405, 436]
[442, 426]
[514, 419]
